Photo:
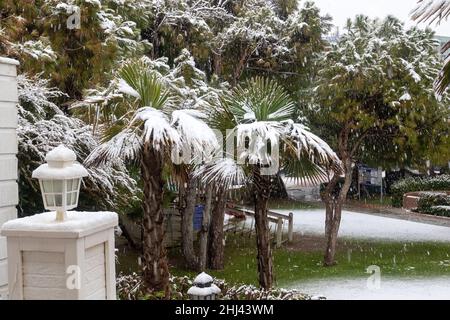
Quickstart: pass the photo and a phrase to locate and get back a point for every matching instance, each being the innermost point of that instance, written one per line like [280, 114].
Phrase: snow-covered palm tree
[259, 114]
[150, 131]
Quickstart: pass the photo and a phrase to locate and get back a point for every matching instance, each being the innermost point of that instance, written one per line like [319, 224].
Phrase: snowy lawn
[406, 288]
[368, 227]
[412, 263]
[375, 228]
[301, 261]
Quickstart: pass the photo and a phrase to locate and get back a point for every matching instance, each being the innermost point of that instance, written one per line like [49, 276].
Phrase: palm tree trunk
[203, 249]
[156, 271]
[187, 226]
[216, 234]
[262, 194]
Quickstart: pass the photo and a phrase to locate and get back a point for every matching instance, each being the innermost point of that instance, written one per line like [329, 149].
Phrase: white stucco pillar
[8, 161]
[69, 260]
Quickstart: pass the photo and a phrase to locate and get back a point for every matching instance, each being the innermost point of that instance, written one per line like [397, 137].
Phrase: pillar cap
[77, 225]
[5, 60]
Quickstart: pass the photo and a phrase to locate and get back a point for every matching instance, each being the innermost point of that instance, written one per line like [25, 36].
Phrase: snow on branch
[431, 10]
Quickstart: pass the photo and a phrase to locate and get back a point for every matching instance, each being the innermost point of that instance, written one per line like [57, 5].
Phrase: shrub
[131, 287]
[411, 184]
[434, 204]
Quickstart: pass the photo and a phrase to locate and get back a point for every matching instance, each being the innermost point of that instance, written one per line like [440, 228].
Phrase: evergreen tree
[375, 103]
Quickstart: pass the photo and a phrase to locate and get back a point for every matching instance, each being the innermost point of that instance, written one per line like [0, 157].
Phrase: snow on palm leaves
[431, 10]
[154, 119]
[261, 114]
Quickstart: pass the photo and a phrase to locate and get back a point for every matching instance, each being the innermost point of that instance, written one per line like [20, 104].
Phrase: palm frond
[225, 173]
[156, 128]
[304, 144]
[139, 81]
[434, 11]
[443, 81]
[260, 99]
[195, 134]
[431, 11]
[303, 171]
[125, 145]
[256, 140]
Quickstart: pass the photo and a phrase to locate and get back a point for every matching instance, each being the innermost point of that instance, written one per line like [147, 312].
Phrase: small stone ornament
[203, 288]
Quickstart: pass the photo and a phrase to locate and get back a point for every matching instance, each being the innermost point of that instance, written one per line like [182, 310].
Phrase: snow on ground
[369, 227]
[434, 288]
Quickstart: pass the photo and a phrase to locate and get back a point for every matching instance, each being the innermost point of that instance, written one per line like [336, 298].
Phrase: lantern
[204, 288]
[60, 180]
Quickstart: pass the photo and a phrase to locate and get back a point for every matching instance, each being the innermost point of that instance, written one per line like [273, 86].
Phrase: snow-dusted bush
[434, 204]
[131, 287]
[411, 184]
[43, 126]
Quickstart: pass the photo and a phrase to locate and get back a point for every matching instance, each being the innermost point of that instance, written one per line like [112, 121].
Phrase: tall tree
[259, 115]
[374, 102]
[146, 134]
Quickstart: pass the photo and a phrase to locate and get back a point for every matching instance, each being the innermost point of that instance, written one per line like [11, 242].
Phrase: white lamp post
[70, 258]
[204, 288]
[60, 180]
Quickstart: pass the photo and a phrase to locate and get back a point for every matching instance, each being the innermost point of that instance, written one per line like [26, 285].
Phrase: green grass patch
[292, 265]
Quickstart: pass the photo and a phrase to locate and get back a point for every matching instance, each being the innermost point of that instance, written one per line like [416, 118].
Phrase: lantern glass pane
[75, 184]
[47, 185]
[50, 200]
[74, 198]
[69, 185]
[58, 200]
[58, 186]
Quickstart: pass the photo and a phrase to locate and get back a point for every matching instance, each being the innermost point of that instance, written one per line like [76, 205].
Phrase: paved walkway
[398, 213]
[365, 226]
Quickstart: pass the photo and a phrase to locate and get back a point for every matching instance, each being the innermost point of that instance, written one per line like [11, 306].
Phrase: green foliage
[36, 33]
[411, 184]
[261, 99]
[140, 78]
[241, 39]
[375, 93]
[437, 204]
[130, 287]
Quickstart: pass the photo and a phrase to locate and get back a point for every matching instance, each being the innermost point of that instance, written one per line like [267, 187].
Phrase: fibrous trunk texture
[156, 271]
[262, 194]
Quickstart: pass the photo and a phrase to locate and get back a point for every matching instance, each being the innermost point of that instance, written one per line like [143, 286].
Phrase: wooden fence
[278, 220]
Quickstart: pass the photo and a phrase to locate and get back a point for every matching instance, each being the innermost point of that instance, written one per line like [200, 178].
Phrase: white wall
[8, 162]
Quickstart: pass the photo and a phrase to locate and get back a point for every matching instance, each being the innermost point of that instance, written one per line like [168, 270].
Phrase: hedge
[434, 204]
[411, 184]
[131, 287]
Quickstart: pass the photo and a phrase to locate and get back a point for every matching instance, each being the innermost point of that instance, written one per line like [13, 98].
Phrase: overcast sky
[340, 10]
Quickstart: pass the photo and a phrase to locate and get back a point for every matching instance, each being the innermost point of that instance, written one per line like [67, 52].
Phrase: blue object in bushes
[198, 217]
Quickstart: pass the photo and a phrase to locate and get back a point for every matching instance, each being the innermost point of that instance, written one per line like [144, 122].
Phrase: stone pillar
[8, 162]
[69, 260]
